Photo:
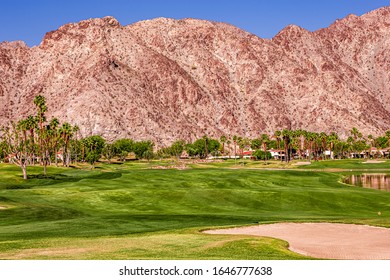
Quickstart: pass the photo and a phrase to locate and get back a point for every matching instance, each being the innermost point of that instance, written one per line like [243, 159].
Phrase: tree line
[37, 140]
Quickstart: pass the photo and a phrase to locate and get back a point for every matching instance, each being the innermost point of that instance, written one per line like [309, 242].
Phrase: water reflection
[373, 181]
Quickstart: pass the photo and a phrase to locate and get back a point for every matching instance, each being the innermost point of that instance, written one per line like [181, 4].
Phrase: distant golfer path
[325, 240]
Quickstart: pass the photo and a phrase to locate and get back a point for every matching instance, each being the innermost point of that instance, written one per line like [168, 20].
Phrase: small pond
[372, 181]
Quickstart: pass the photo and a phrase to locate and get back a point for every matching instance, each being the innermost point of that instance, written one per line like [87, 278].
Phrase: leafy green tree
[261, 155]
[360, 146]
[3, 150]
[190, 149]
[148, 154]
[164, 153]
[381, 142]
[213, 146]
[122, 147]
[141, 147]
[177, 148]
[94, 146]
[199, 148]
[92, 157]
[256, 144]
[202, 146]
[108, 152]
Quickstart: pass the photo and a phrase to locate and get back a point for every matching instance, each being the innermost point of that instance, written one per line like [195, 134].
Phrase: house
[247, 154]
[329, 154]
[277, 154]
[375, 152]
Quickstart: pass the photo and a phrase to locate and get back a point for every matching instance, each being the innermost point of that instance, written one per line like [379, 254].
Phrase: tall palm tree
[76, 130]
[323, 138]
[332, 139]
[264, 142]
[311, 138]
[223, 140]
[277, 136]
[355, 133]
[66, 132]
[286, 135]
[40, 103]
[54, 137]
[302, 142]
[235, 138]
[388, 136]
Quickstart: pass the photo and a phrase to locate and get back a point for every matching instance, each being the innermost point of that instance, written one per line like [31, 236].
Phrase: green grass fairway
[130, 211]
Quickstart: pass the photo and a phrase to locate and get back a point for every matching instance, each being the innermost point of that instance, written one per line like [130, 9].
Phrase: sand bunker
[325, 240]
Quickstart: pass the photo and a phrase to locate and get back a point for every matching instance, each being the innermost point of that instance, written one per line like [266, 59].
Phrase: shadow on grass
[35, 180]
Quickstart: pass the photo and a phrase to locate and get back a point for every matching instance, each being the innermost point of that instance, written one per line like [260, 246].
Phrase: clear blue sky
[30, 20]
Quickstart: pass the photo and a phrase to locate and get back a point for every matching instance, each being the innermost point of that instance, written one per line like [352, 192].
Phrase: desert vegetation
[36, 140]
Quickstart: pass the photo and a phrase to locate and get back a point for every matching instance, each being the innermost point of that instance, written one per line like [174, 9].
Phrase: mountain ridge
[167, 79]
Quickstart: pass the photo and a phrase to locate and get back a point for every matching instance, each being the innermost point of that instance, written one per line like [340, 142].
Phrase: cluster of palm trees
[33, 139]
[306, 144]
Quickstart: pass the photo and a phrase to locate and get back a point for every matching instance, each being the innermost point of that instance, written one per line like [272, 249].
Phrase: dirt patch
[55, 252]
[302, 163]
[374, 161]
[178, 167]
[325, 240]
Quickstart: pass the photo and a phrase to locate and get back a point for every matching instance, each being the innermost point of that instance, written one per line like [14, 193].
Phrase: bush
[261, 155]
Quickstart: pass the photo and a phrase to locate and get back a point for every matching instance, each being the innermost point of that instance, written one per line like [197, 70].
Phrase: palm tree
[40, 103]
[311, 138]
[264, 142]
[235, 138]
[223, 141]
[206, 152]
[388, 136]
[66, 132]
[332, 139]
[302, 142]
[277, 136]
[286, 135]
[355, 133]
[76, 130]
[53, 137]
[323, 138]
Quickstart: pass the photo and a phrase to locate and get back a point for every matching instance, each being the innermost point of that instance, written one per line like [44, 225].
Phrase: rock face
[167, 79]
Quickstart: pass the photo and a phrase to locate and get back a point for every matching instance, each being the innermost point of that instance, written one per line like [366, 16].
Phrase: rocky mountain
[166, 79]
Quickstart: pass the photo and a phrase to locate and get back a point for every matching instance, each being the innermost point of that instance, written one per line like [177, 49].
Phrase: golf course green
[137, 210]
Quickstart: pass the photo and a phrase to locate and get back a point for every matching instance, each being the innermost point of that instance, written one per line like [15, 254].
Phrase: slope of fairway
[129, 203]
